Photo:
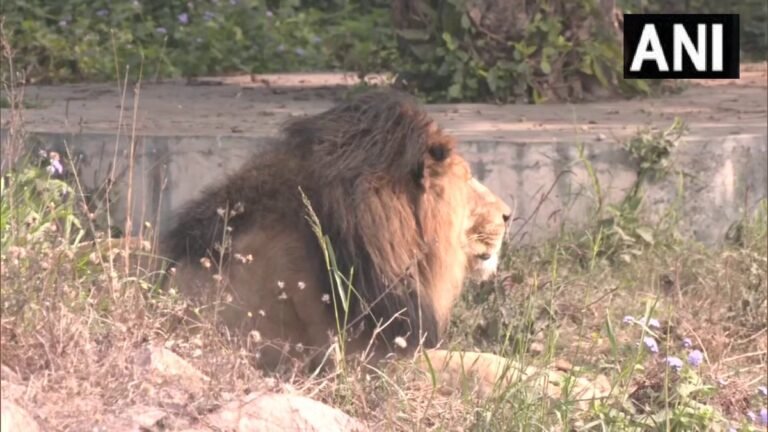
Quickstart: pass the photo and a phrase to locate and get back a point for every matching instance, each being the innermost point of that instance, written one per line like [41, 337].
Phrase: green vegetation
[82, 39]
[551, 50]
[440, 49]
[638, 304]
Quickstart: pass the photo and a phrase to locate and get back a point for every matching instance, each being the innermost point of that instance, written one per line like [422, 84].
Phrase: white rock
[282, 412]
[14, 418]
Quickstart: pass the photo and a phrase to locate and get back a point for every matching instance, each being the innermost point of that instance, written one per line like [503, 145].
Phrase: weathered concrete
[188, 136]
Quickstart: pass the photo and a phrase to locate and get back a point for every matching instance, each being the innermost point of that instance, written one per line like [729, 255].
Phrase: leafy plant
[85, 39]
[621, 233]
[548, 51]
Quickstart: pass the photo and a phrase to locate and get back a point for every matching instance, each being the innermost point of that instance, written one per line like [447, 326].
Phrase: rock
[118, 424]
[145, 417]
[563, 365]
[536, 348]
[281, 412]
[12, 391]
[162, 363]
[15, 418]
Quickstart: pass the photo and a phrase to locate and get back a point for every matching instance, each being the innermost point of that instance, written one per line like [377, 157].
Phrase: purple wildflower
[763, 390]
[316, 39]
[233, 2]
[183, 18]
[675, 363]
[208, 15]
[653, 322]
[687, 343]
[300, 52]
[651, 344]
[629, 319]
[57, 167]
[102, 12]
[763, 416]
[161, 30]
[63, 23]
[270, 14]
[695, 358]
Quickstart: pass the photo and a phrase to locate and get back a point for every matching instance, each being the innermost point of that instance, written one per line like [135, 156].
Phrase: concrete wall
[720, 176]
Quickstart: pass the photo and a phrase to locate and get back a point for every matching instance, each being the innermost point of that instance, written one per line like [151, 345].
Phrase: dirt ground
[256, 106]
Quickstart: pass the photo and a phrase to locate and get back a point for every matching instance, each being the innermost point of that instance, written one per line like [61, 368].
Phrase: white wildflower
[400, 341]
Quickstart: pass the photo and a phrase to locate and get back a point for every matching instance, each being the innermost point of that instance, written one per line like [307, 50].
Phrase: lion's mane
[378, 174]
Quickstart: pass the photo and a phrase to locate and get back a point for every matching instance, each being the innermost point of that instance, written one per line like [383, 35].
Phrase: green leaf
[599, 74]
[492, 79]
[612, 338]
[454, 91]
[465, 23]
[450, 43]
[545, 66]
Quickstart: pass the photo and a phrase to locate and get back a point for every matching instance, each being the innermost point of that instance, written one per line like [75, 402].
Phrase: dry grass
[76, 319]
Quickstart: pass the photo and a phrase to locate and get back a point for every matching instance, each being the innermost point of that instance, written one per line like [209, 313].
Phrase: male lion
[398, 206]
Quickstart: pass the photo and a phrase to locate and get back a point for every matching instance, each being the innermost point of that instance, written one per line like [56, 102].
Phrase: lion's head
[397, 205]
[488, 224]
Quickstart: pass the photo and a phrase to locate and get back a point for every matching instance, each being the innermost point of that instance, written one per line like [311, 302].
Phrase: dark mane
[361, 164]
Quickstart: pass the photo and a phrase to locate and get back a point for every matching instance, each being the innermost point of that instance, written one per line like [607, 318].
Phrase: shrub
[86, 39]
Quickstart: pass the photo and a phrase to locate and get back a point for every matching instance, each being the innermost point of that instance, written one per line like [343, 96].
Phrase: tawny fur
[394, 198]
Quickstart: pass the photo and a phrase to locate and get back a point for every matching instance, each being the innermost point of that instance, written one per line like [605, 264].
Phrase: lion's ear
[436, 153]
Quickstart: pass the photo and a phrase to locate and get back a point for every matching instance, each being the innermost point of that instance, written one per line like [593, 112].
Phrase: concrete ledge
[190, 136]
[720, 176]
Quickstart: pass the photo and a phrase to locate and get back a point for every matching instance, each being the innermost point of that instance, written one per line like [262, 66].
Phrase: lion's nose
[506, 217]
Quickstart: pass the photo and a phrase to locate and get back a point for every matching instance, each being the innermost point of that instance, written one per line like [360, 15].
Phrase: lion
[362, 221]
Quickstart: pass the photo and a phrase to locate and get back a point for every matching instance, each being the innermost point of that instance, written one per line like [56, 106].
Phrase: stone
[162, 363]
[14, 418]
[282, 412]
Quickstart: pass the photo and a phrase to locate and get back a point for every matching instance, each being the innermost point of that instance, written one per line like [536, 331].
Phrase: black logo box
[633, 29]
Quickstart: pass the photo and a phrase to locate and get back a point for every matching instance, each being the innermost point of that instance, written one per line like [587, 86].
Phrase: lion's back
[263, 193]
